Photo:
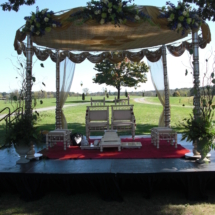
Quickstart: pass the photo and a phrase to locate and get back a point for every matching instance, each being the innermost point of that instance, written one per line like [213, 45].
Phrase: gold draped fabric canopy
[92, 36]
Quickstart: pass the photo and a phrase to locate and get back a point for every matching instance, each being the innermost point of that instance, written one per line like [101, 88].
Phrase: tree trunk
[118, 92]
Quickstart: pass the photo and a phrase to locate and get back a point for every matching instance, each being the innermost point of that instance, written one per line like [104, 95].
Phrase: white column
[196, 82]
[29, 56]
[166, 88]
[58, 110]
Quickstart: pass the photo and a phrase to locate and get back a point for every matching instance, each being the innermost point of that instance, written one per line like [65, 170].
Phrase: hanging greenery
[40, 22]
[104, 11]
[181, 18]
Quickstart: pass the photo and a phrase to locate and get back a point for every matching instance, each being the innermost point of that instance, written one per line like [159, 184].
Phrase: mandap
[114, 29]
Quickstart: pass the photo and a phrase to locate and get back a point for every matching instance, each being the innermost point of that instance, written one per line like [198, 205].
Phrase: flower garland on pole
[181, 18]
[40, 22]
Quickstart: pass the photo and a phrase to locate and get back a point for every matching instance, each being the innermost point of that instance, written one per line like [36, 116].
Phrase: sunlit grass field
[187, 101]
[147, 115]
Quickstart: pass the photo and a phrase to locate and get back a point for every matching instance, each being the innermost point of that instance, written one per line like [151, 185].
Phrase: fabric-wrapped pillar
[29, 56]
[58, 124]
[166, 88]
[196, 99]
[196, 82]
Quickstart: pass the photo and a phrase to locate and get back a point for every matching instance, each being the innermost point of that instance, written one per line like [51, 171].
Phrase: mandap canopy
[95, 28]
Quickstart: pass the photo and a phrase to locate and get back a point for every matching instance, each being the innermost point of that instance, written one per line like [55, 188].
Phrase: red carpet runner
[146, 151]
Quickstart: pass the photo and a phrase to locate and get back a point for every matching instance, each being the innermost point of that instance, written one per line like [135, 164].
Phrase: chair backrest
[122, 112]
[97, 102]
[122, 101]
[98, 113]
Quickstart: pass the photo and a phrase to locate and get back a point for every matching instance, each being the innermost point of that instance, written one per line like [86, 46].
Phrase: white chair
[122, 101]
[97, 102]
[97, 119]
[123, 118]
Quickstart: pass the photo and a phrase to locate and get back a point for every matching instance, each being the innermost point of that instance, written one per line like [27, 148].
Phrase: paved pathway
[52, 108]
[143, 100]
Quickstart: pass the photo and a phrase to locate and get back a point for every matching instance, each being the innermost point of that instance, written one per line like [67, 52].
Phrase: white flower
[46, 19]
[184, 13]
[109, 10]
[102, 21]
[44, 11]
[169, 19]
[97, 12]
[189, 30]
[104, 1]
[179, 25]
[31, 28]
[37, 33]
[54, 25]
[137, 17]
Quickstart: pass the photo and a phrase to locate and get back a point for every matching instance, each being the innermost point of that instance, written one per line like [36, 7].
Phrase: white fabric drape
[157, 76]
[67, 70]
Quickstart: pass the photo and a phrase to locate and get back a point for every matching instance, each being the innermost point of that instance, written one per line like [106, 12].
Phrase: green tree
[206, 8]
[176, 94]
[4, 94]
[126, 93]
[123, 74]
[15, 4]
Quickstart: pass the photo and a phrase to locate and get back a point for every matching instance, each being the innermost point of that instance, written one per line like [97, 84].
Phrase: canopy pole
[58, 124]
[166, 88]
[196, 82]
[29, 56]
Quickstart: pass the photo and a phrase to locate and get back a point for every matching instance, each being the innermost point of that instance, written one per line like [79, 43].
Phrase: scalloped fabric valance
[92, 36]
[114, 57]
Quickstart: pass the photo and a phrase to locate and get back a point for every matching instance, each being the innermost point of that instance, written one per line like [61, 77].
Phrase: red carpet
[146, 151]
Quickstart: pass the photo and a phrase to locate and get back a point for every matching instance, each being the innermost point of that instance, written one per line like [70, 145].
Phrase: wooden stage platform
[107, 176]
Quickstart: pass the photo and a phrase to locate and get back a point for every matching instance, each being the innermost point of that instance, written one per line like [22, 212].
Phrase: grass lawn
[147, 115]
[59, 203]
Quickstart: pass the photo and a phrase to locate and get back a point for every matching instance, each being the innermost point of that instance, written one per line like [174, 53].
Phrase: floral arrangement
[40, 22]
[114, 11]
[181, 18]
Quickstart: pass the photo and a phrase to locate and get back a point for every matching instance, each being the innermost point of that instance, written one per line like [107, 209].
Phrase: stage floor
[111, 174]
[8, 158]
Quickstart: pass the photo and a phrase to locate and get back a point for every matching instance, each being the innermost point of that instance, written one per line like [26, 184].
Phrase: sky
[84, 72]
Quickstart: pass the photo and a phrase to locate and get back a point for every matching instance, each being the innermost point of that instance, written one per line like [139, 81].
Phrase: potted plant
[23, 133]
[200, 128]
[202, 131]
